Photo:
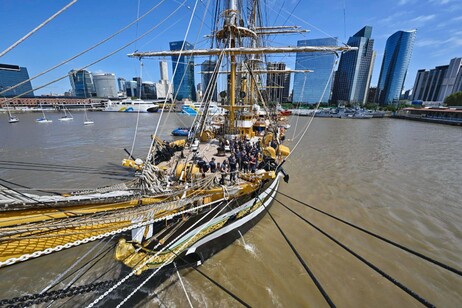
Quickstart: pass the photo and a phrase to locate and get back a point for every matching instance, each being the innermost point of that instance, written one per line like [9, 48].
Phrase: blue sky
[438, 24]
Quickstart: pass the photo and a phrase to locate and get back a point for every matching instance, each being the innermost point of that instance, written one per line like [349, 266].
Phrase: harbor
[221, 154]
[369, 174]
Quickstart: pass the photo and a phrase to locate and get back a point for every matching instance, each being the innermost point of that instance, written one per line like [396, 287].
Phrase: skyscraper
[11, 75]
[314, 87]
[209, 87]
[354, 72]
[183, 81]
[398, 52]
[82, 83]
[428, 83]
[105, 84]
[277, 83]
[163, 88]
[452, 81]
[438, 83]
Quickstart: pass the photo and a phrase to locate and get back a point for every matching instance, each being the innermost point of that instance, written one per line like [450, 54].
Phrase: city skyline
[91, 22]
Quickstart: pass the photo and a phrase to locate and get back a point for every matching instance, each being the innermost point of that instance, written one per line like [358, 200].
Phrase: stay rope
[416, 296]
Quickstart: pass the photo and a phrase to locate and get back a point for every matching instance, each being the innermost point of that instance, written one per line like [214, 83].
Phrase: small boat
[180, 131]
[67, 115]
[13, 119]
[86, 120]
[44, 118]
[129, 105]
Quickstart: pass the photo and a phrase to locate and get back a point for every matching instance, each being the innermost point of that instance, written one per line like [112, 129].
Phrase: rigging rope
[416, 296]
[37, 28]
[86, 50]
[7, 101]
[170, 87]
[422, 256]
[182, 285]
[152, 257]
[305, 266]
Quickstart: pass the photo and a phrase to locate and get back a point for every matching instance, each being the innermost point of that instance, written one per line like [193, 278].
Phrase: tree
[455, 99]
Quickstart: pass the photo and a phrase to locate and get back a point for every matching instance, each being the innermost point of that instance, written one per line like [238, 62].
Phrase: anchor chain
[39, 298]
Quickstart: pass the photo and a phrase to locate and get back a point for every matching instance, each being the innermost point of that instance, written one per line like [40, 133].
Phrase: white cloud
[421, 20]
[440, 2]
[404, 2]
[424, 43]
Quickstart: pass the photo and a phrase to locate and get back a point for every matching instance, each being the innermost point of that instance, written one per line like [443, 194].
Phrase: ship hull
[208, 232]
[222, 238]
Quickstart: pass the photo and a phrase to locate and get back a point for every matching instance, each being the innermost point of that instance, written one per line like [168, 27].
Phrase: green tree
[455, 99]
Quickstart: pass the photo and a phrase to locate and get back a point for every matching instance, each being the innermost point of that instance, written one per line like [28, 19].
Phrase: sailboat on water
[190, 197]
[67, 115]
[86, 119]
[11, 118]
[43, 119]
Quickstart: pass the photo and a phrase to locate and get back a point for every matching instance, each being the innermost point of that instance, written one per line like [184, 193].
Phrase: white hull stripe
[241, 221]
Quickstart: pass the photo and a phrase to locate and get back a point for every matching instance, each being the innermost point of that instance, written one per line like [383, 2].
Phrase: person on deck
[232, 168]
[213, 165]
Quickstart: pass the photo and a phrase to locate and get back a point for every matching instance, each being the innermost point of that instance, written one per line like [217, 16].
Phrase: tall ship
[190, 198]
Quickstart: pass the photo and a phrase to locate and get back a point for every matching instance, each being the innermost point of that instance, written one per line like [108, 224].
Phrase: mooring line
[418, 254]
[422, 300]
[305, 266]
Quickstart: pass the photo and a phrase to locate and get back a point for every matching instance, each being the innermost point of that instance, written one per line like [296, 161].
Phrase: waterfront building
[311, 88]
[436, 84]
[163, 87]
[105, 85]
[353, 76]
[209, 86]
[427, 84]
[183, 81]
[82, 83]
[148, 90]
[163, 70]
[10, 76]
[371, 95]
[131, 88]
[277, 83]
[121, 84]
[398, 52]
[452, 81]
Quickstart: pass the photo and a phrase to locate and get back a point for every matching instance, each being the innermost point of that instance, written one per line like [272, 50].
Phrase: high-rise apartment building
[209, 86]
[277, 83]
[398, 52]
[12, 75]
[183, 80]
[311, 88]
[353, 76]
[163, 87]
[438, 83]
[82, 83]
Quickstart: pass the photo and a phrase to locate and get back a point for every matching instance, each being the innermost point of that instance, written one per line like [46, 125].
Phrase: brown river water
[396, 178]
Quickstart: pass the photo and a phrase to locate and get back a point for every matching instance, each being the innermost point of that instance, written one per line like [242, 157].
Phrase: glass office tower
[398, 52]
[311, 88]
[207, 67]
[354, 72]
[183, 80]
[82, 83]
[11, 75]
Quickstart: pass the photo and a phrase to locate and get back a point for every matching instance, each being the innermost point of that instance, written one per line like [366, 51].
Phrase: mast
[231, 23]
